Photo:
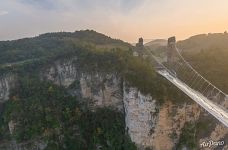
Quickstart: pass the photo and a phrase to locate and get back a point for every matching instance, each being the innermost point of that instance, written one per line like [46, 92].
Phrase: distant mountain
[204, 42]
[157, 46]
[208, 53]
[157, 43]
[54, 44]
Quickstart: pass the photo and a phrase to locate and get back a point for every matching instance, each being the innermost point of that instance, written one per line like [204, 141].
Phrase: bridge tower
[139, 48]
[171, 50]
[140, 43]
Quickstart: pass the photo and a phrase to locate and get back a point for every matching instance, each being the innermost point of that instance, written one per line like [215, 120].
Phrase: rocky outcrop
[151, 126]
[29, 145]
[172, 119]
[6, 83]
[62, 73]
[12, 126]
[104, 90]
[140, 116]
[160, 127]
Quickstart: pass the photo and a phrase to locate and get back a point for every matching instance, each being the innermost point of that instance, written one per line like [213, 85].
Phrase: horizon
[133, 42]
[119, 19]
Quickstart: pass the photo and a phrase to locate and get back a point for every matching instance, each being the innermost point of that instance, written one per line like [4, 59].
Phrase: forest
[49, 112]
[43, 110]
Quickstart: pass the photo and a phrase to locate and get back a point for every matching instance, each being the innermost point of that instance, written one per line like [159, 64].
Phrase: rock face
[147, 123]
[103, 89]
[29, 145]
[61, 73]
[6, 83]
[159, 127]
[152, 126]
[12, 126]
[141, 116]
[172, 119]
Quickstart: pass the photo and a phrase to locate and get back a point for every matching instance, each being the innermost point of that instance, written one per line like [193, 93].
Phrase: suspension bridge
[181, 74]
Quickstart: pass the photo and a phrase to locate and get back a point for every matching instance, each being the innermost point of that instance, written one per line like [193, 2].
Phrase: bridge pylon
[171, 50]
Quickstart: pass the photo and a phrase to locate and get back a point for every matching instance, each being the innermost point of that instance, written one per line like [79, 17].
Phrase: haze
[123, 19]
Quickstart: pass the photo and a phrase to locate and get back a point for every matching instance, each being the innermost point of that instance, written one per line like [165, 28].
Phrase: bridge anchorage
[180, 73]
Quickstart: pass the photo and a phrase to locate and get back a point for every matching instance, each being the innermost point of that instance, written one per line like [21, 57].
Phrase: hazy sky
[124, 19]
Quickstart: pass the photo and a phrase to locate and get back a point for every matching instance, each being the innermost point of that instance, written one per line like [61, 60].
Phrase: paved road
[212, 108]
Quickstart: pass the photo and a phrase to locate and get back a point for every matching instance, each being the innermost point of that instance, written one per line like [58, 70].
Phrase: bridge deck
[216, 111]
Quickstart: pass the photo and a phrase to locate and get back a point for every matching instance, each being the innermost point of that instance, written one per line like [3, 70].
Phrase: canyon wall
[148, 124]
[6, 83]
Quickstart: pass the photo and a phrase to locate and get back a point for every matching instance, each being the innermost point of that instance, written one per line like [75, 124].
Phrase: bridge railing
[197, 82]
[182, 70]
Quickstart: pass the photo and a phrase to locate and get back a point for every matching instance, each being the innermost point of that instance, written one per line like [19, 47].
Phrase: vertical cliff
[140, 115]
[101, 89]
[6, 83]
[148, 123]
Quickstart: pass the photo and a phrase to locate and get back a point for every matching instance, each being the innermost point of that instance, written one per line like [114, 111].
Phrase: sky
[123, 19]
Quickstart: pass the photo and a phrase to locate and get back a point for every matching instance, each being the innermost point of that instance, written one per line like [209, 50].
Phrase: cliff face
[141, 116]
[161, 127]
[107, 90]
[172, 119]
[101, 89]
[147, 123]
[6, 83]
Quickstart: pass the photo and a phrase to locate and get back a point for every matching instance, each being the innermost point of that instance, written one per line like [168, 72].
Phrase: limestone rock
[6, 83]
[140, 116]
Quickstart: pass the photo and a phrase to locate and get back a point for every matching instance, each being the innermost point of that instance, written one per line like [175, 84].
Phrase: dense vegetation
[53, 44]
[212, 64]
[44, 110]
[41, 109]
[188, 137]
[208, 54]
[136, 71]
[93, 52]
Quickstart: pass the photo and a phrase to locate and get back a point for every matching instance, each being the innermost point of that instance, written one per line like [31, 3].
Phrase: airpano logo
[211, 143]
